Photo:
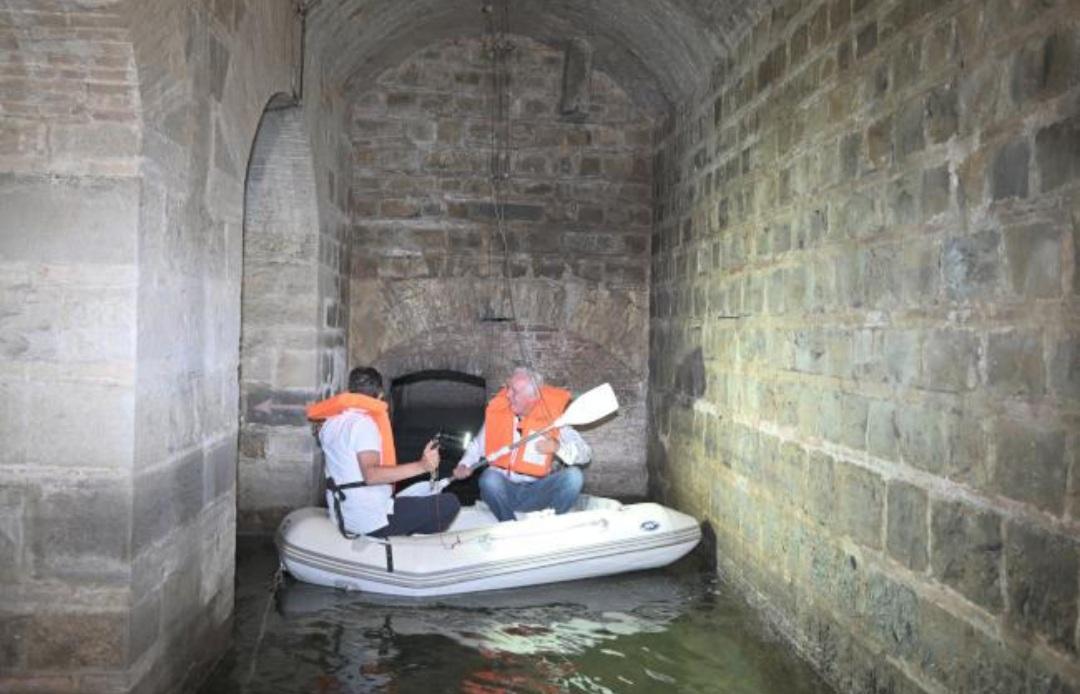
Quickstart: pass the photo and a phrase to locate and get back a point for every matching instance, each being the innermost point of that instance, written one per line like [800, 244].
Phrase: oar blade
[590, 406]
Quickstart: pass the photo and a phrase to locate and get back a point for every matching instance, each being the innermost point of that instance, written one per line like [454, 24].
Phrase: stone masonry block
[942, 113]
[971, 265]
[924, 438]
[1014, 363]
[919, 273]
[79, 532]
[12, 535]
[950, 360]
[167, 499]
[1041, 570]
[861, 498]
[42, 216]
[966, 553]
[936, 191]
[879, 144]
[1009, 171]
[882, 436]
[908, 136]
[1034, 254]
[296, 369]
[1057, 153]
[902, 355]
[219, 469]
[853, 416]
[1030, 464]
[907, 535]
[1064, 371]
[820, 500]
[68, 641]
[1044, 67]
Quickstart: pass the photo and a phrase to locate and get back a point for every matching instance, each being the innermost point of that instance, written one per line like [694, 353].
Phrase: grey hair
[533, 377]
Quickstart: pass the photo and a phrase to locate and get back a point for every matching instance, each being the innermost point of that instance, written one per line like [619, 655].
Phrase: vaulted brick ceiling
[658, 50]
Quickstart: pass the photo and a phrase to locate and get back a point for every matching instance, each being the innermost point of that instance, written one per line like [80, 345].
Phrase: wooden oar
[587, 408]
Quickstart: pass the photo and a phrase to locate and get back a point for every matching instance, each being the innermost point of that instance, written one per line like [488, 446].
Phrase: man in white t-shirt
[353, 445]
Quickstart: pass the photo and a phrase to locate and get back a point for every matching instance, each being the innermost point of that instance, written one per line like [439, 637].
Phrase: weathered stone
[1039, 601]
[1057, 153]
[1064, 370]
[1030, 464]
[820, 502]
[966, 551]
[906, 533]
[861, 496]
[40, 218]
[1044, 67]
[950, 360]
[908, 134]
[167, 499]
[882, 437]
[219, 471]
[1009, 173]
[901, 354]
[1034, 256]
[1014, 363]
[942, 113]
[924, 438]
[904, 201]
[970, 265]
[75, 532]
[73, 641]
[577, 65]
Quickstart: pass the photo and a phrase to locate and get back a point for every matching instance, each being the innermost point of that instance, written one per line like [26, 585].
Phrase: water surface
[674, 629]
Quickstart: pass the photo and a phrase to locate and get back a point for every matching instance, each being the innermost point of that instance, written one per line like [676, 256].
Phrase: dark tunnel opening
[438, 402]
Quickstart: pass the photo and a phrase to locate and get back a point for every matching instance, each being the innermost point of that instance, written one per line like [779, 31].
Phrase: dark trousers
[420, 514]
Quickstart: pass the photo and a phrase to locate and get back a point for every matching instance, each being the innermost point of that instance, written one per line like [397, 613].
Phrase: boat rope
[276, 581]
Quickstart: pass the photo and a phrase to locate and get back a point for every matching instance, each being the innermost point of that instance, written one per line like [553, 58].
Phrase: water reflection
[674, 628]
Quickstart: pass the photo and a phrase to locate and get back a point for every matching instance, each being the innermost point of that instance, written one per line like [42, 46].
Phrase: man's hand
[547, 445]
[430, 459]
[462, 472]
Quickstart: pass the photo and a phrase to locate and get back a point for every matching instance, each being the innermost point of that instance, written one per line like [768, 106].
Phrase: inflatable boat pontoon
[600, 537]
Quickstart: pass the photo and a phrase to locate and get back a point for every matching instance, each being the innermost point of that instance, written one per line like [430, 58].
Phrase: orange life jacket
[373, 407]
[499, 429]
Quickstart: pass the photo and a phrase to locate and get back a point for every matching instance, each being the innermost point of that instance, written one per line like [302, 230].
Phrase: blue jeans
[559, 491]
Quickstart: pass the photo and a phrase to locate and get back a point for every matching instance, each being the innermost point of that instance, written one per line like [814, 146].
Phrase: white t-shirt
[342, 437]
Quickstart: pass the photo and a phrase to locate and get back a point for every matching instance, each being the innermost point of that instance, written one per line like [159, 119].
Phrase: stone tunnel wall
[865, 343]
[427, 257]
[69, 212]
[126, 131]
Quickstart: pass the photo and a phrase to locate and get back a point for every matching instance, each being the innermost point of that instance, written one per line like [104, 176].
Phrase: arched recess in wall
[280, 319]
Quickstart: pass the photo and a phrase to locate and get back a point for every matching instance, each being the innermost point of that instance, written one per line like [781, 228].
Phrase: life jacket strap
[338, 492]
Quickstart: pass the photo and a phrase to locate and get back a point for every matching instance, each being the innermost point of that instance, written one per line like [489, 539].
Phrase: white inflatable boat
[600, 537]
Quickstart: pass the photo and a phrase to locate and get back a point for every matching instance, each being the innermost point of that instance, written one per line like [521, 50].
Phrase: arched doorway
[280, 313]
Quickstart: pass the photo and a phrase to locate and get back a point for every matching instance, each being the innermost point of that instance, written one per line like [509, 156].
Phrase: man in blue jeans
[526, 478]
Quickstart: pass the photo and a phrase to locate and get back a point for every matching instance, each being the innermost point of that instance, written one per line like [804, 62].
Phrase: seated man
[526, 478]
[361, 466]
